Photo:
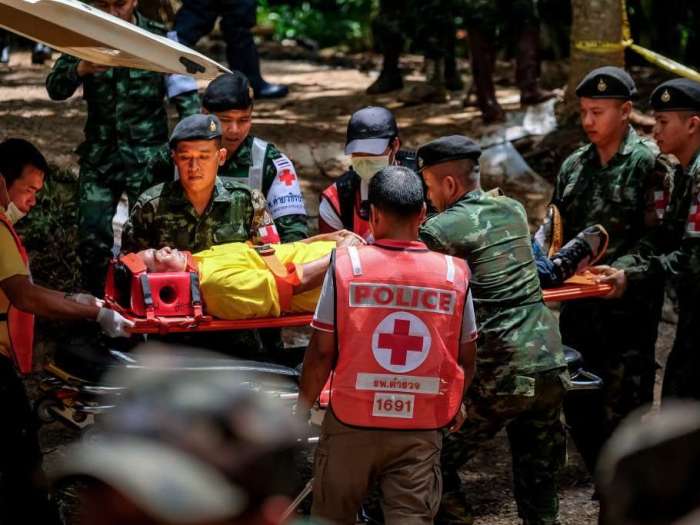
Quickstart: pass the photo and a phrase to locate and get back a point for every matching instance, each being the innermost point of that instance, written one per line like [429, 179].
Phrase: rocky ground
[309, 126]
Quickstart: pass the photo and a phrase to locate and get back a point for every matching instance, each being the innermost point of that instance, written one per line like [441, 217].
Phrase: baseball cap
[370, 130]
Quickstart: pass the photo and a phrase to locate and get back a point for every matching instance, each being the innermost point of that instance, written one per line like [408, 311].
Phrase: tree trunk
[592, 21]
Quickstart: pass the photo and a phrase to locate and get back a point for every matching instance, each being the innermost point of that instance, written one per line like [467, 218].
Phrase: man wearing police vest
[395, 331]
[23, 498]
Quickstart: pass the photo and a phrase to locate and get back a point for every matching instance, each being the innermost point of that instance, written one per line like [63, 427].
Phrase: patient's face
[164, 260]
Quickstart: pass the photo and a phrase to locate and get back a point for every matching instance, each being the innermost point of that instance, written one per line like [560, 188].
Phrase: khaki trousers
[406, 464]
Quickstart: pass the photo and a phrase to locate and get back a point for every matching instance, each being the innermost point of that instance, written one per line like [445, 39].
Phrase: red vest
[359, 226]
[20, 325]
[399, 313]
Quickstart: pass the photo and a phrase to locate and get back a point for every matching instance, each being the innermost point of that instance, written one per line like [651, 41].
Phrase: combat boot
[482, 60]
[388, 80]
[41, 53]
[582, 251]
[433, 90]
[527, 68]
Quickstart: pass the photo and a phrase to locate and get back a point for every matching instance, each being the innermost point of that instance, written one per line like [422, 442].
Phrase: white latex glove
[113, 323]
[85, 298]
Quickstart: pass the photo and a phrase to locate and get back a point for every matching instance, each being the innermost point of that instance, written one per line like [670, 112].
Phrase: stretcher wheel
[43, 410]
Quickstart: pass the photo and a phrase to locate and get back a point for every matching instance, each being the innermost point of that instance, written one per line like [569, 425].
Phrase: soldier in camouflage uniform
[251, 160]
[521, 374]
[673, 249]
[127, 127]
[225, 211]
[432, 27]
[613, 182]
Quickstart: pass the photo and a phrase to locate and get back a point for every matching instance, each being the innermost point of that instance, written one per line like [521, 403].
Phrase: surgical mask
[13, 213]
[367, 167]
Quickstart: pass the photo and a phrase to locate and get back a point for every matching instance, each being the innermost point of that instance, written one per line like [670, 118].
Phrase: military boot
[582, 251]
[388, 80]
[527, 68]
[433, 90]
[483, 60]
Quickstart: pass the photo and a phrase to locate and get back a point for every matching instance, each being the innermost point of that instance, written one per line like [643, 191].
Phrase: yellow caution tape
[602, 47]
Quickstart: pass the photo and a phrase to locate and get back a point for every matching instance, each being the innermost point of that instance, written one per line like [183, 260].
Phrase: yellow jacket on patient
[237, 284]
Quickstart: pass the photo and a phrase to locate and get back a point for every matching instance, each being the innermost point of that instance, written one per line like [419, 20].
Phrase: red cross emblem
[288, 177]
[401, 342]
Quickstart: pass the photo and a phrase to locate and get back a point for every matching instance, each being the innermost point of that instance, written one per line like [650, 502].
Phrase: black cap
[445, 149]
[228, 91]
[196, 127]
[679, 94]
[370, 130]
[607, 82]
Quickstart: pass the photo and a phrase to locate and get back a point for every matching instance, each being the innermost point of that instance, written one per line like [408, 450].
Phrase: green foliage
[50, 233]
[329, 23]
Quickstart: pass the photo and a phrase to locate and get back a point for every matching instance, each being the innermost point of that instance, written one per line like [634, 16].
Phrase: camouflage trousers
[99, 192]
[683, 365]
[530, 411]
[617, 341]
[429, 24]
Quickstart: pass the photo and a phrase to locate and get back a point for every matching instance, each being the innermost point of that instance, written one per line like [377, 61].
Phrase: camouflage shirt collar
[626, 146]
[179, 198]
[243, 156]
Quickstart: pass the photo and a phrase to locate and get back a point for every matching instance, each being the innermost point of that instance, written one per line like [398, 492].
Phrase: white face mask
[14, 213]
[367, 167]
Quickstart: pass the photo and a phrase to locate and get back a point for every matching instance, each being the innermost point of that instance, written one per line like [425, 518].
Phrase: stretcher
[578, 287]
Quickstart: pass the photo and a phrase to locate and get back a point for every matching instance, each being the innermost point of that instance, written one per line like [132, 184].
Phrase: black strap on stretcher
[147, 296]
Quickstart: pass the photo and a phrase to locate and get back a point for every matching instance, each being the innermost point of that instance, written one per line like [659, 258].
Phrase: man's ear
[694, 124]
[626, 109]
[222, 156]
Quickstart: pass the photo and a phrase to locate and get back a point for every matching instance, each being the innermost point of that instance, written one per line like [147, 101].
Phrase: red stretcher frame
[579, 287]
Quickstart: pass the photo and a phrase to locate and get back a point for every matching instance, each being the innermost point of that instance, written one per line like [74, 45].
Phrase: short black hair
[397, 190]
[15, 154]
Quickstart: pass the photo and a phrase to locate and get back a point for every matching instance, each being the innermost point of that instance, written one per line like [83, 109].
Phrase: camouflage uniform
[162, 216]
[291, 227]
[521, 377]
[127, 127]
[674, 250]
[616, 337]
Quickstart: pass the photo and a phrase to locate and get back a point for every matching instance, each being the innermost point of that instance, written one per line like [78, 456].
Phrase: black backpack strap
[347, 185]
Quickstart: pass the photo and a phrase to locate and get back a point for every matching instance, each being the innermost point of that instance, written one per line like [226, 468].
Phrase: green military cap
[678, 94]
[196, 127]
[444, 149]
[228, 91]
[607, 82]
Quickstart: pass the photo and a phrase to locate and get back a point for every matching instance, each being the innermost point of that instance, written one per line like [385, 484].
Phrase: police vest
[20, 325]
[344, 198]
[399, 313]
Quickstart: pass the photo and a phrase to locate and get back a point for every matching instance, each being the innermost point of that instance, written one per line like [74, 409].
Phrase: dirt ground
[309, 125]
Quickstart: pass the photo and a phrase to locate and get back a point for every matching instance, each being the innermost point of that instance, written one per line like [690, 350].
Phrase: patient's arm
[341, 237]
[312, 274]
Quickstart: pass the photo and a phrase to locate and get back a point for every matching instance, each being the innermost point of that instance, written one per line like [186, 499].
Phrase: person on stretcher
[239, 281]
